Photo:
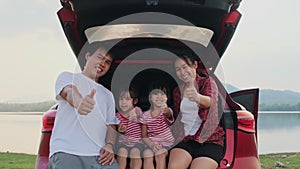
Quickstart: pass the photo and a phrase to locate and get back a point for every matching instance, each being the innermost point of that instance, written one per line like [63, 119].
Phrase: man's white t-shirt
[77, 134]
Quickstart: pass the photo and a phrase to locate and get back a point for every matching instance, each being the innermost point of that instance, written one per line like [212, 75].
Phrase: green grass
[268, 161]
[289, 160]
[17, 161]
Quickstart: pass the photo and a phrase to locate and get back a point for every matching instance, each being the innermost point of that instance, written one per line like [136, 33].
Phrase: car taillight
[48, 121]
[246, 121]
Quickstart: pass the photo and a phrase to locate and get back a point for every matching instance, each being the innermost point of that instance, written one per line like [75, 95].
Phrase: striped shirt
[133, 129]
[158, 128]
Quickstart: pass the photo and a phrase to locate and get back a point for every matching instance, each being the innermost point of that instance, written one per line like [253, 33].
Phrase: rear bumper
[246, 152]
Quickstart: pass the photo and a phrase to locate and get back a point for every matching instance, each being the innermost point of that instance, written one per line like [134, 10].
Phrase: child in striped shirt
[156, 130]
[130, 143]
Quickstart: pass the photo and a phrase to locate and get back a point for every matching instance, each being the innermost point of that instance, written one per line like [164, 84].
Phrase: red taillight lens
[48, 121]
[246, 121]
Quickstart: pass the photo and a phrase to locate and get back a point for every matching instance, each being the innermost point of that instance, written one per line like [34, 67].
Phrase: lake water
[277, 132]
[20, 132]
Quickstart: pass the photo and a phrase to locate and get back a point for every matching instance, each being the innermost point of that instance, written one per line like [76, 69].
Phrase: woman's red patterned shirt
[210, 130]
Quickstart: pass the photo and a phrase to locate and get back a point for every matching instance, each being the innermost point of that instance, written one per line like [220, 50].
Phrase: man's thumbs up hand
[92, 94]
[87, 103]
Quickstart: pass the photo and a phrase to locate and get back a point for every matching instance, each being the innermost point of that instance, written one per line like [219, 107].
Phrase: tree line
[44, 106]
[26, 107]
[280, 107]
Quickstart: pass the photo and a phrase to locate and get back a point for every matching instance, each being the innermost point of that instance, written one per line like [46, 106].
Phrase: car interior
[140, 62]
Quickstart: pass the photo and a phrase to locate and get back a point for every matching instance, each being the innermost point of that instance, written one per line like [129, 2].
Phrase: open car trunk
[220, 16]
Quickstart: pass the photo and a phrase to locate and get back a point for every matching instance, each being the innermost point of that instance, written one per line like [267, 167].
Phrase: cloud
[26, 16]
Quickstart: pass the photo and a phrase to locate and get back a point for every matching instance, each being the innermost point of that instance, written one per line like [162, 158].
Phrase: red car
[145, 36]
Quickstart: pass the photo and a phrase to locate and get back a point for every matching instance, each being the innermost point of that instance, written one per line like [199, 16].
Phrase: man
[85, 120]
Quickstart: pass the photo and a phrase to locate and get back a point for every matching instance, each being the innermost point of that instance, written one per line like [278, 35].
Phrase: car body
[145, 54]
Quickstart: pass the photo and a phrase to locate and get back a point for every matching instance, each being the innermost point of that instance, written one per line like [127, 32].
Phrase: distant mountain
[268, 100]
[271, 97]
[268, 97]
[230, 88]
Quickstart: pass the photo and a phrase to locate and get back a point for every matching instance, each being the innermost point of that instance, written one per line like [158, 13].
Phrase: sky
[262, 53]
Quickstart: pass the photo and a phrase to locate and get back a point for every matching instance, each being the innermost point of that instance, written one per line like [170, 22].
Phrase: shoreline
[285, 152]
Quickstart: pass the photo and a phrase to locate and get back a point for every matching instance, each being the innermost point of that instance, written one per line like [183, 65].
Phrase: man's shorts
[62, 160]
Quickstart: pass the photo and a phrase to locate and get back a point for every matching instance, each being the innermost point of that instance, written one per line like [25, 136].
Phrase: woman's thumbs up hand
[191, 92]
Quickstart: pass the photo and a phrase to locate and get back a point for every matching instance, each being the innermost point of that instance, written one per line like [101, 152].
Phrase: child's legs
[135, 158]
[160, 159]
[122, 157]
[148, 159]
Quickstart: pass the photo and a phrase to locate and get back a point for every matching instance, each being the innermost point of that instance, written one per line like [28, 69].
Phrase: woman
[196, 107]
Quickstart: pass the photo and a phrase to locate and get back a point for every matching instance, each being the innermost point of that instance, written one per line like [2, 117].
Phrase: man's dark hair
[92, 47]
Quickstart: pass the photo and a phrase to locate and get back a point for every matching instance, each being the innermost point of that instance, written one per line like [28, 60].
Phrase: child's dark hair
[156, 88]
[133, 94]
[156, 85]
